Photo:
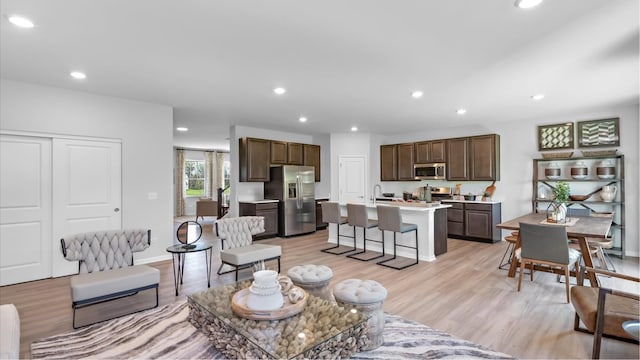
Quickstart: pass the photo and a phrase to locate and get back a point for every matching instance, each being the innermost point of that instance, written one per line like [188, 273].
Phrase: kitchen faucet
[376, 186]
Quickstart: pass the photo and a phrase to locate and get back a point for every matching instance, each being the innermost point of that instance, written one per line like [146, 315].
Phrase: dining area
[570, 249]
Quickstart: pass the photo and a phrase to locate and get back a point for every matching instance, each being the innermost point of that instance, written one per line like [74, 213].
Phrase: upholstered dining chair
[546, 245]
[331, 215]
[604, 311]
[206, 207]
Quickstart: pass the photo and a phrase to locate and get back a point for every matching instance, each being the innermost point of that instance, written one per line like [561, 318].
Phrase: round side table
[180, 250]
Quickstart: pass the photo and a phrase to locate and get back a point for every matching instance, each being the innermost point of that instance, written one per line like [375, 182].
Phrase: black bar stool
[331, 215]
[390, 219]
[358, 217]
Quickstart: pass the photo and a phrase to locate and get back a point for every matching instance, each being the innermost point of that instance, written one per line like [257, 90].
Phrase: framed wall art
[555, 137]
[599, 133]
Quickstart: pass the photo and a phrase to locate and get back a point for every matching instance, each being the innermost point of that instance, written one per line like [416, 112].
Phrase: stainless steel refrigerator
[294, 186]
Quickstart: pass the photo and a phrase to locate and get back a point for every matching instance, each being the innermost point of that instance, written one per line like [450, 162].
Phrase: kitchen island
[431, 220]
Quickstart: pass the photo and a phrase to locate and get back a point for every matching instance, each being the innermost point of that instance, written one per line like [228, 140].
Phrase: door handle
[116, 209]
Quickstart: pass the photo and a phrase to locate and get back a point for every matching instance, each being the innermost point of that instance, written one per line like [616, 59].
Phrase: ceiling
[344, 62]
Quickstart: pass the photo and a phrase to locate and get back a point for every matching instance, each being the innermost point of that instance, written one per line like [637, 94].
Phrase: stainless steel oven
[430, 171]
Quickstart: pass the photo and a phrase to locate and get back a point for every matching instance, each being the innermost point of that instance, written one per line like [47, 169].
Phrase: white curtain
[179, 181]
[209, 178]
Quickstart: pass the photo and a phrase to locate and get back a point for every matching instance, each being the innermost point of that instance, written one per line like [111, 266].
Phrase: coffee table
[322, 330]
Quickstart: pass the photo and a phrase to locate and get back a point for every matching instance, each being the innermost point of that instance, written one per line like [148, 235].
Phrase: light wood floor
[462, 293]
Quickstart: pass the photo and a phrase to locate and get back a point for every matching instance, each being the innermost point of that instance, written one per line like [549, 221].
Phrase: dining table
[579, 228]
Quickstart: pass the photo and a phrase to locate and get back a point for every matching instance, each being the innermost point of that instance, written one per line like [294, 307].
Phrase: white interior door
[25, 208]
[87, 186]
[352, 180]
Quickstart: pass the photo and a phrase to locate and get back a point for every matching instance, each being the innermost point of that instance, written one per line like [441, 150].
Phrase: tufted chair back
[105, 250]
[239, 231]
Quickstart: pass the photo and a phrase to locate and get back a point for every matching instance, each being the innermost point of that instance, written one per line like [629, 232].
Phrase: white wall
[343, 144]
[146, 133]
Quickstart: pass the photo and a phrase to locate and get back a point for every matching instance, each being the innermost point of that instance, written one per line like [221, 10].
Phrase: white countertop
[412, 206]
[259, 201]
[473, 201]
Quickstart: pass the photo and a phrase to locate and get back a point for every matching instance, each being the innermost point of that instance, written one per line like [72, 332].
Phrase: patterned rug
[165, 333]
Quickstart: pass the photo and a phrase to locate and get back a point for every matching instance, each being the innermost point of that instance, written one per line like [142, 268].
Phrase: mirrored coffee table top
[320, 321]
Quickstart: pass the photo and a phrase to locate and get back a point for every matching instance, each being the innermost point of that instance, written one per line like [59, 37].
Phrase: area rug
[165, 333]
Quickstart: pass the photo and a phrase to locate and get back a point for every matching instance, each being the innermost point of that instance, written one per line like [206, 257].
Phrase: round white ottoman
[366, 296]
[313, 278]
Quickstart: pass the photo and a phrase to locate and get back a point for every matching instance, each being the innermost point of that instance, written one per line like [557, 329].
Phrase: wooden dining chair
[546, 245]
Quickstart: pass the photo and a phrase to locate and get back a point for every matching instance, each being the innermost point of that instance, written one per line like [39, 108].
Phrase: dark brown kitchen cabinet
[255, 157]
[294, 154]
[430, 151]
[458, 159]
[267, 210]
[474, 158]
[311, 156]
[278, 152]
[474, 221]
[388, 162]
[440, 232]
[455, 219]
[405, 162]
[484, 156]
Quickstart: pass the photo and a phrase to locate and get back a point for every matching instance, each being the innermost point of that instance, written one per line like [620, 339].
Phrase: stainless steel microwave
[430, 171]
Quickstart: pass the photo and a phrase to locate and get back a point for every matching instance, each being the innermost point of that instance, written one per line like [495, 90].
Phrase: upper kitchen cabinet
[388, 162]
[396, 162]
[474, 158]
[278, 152]
[430, 151]
[255, 157]
[405, 162]
[458, 159]
[484, 155]
[286, 153]
[311, 157]
[294, 154]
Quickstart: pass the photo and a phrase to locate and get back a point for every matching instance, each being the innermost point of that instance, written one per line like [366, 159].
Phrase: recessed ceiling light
[461, 111]
[182, 129]
[417, 94]
[354, 128]
[279, 90]
[20, 21]
[537, 96]
[526, 4]
[78, 75]
[302, 119]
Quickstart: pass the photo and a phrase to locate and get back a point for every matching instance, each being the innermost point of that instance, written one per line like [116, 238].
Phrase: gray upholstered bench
[238, 249]
[105, 266]
[9, 332]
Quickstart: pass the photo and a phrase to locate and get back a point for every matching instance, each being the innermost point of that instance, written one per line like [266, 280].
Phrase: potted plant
[557, 210]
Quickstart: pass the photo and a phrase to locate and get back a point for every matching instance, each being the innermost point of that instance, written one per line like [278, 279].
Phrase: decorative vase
[557, 212]
[606, 170]
[264, 292]
[608, 193]
[579, 170]
[552, 172]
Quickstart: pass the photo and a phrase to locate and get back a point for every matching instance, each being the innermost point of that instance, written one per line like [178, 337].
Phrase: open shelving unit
[543, 195]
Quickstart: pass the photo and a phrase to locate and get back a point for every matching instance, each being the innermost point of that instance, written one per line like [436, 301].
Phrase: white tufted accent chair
[239, 231]
[238, 249]
[105, 250]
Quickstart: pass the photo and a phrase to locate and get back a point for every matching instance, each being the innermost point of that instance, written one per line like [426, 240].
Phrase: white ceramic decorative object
[264, 292]
[608, 193]
[606, 170]
[552, 172]
[295, 295]
[579, 170]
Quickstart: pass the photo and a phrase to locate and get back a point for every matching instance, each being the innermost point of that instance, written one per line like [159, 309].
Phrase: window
[194, 177]
[226, 171]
